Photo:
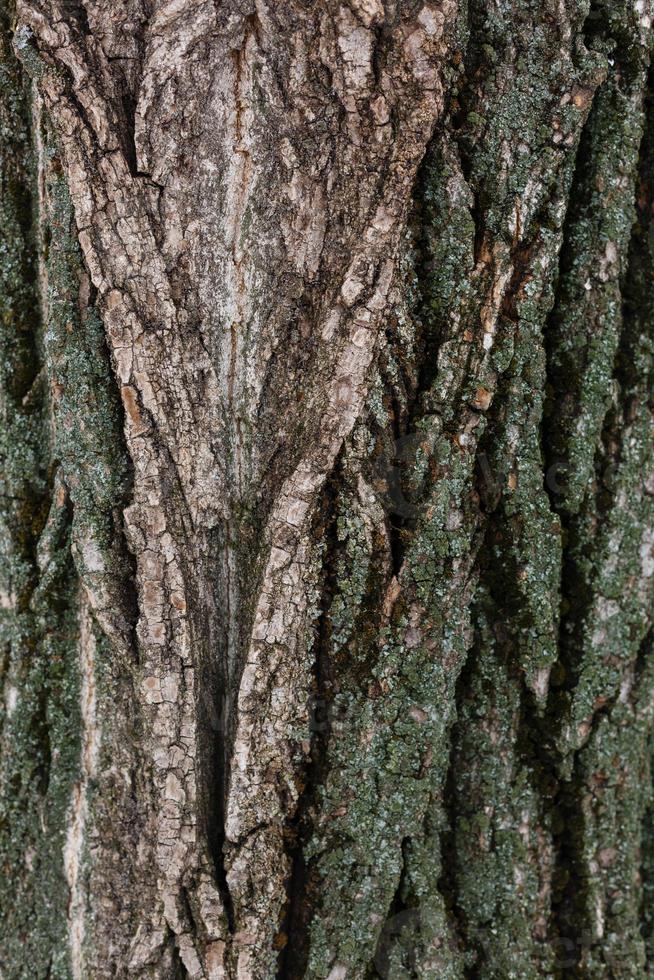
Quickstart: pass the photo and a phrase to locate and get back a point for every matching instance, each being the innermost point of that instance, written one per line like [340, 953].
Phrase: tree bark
[327, 492]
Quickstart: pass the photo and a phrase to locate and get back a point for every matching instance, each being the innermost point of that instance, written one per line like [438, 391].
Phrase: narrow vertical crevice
[214, 714]
[178, 970]
[128, 129]
[400, 917]
[448, 881]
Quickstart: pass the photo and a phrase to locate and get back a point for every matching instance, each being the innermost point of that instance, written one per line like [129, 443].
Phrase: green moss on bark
[64, 479]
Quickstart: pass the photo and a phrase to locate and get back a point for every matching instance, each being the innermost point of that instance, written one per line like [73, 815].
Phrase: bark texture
[327, 492]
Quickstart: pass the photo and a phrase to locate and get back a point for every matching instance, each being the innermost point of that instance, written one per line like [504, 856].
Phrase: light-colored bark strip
[75, 850]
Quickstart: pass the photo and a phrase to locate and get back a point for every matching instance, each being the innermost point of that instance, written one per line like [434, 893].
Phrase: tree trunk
[327, 492]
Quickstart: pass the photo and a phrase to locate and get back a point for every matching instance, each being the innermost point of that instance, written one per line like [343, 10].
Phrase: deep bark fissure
[447, 883]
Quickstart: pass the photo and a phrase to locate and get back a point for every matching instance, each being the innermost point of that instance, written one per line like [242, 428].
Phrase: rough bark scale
[327, 489]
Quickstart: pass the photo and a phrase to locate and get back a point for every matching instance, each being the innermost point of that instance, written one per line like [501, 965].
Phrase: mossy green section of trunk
[63, 478]
[40, 719]
[482, 782]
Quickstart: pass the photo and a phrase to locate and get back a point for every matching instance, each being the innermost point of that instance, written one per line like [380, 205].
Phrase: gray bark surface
[327, 490]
